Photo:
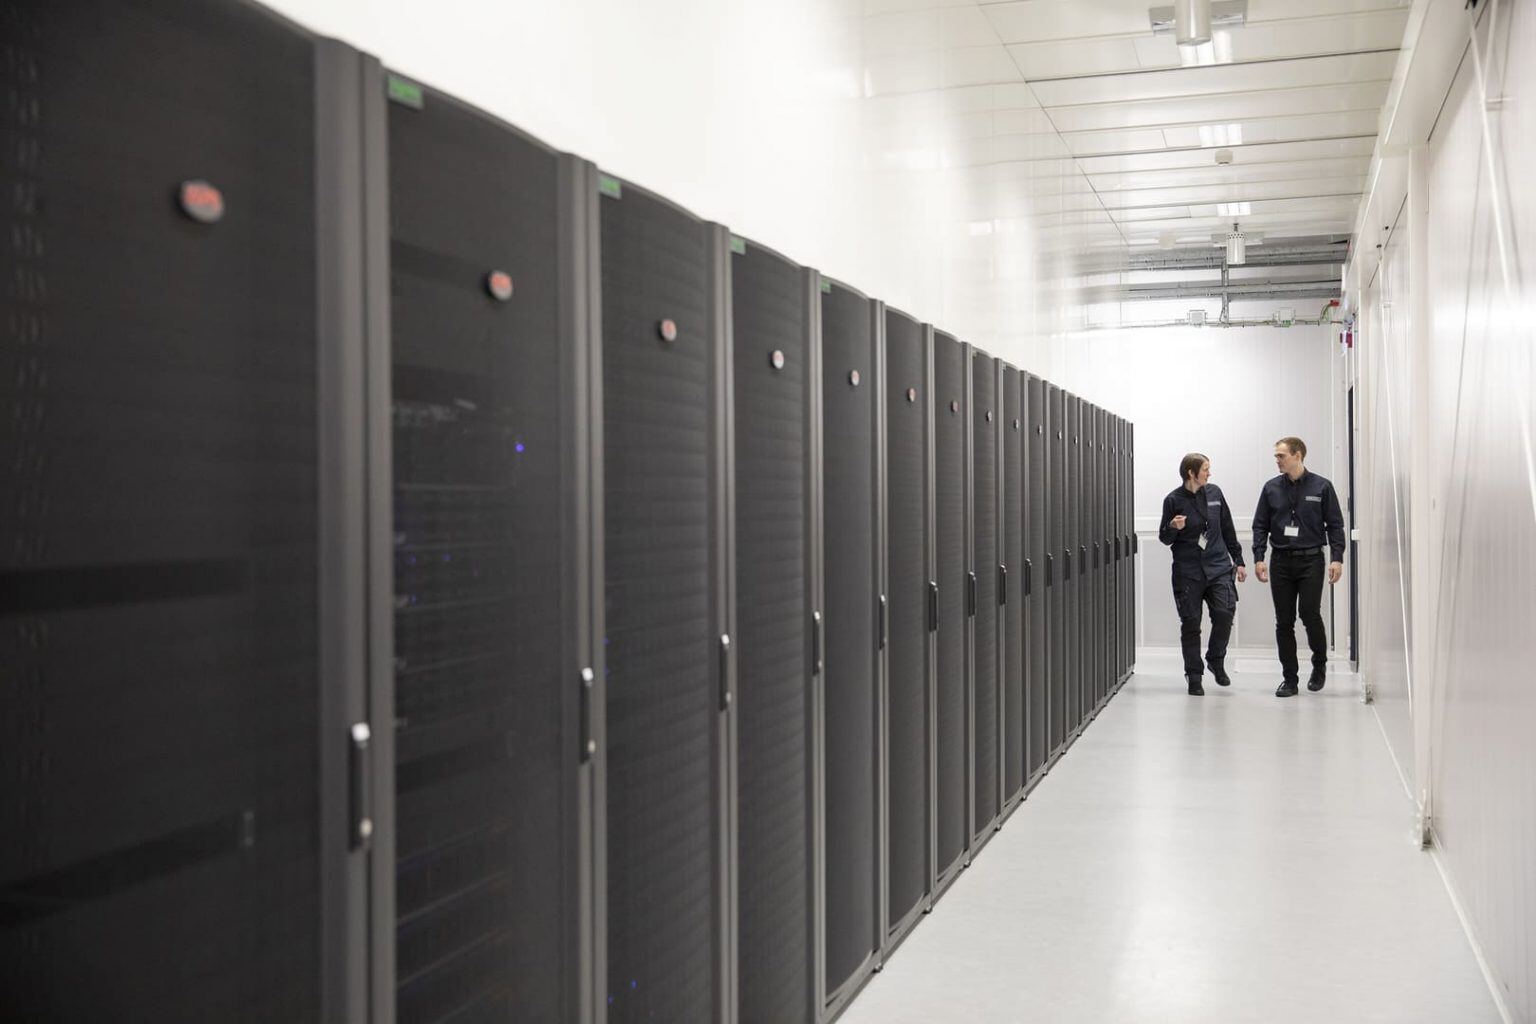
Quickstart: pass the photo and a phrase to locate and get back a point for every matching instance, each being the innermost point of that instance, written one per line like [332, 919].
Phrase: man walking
[1298, 513]
[1197, 524]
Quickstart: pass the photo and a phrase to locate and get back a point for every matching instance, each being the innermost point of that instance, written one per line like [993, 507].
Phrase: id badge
[1293, 531]
[1201, 542]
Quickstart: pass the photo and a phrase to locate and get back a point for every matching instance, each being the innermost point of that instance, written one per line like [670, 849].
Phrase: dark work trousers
[1188, 595]
[1296, 579]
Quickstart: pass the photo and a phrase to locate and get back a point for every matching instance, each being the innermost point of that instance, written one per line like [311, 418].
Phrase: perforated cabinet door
[953, 757]
[985, 692]
[160, 519]
[1013, 601]
[1057, 566]
[485, 747]
[665, 695]
[907, 407]
[773, 377]
[849, 408]
[1038, 615]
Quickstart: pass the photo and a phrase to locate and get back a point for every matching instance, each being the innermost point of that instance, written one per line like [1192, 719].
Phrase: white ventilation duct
[1192, 22]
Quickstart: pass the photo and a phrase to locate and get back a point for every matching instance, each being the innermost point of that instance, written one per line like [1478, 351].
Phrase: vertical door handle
[933, 606]
[1029, 577]
[970, 593]
[1082, 558]
[360, 792]
[588, 743]
[1066, 566]
[884, 622]
[816, 643]
[725, 671]
[1050, 569]
[1002, 584]
[1096, 554]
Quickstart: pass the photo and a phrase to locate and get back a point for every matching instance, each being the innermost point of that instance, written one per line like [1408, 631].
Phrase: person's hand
[1242, 573]
[1177, 522]
[1335, 570]
[1261, 571]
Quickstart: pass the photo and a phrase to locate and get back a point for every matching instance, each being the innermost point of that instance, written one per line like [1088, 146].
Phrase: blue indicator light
[519, 447]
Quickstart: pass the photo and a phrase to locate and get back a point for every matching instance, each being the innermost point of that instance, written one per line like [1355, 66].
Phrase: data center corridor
[1233, 859]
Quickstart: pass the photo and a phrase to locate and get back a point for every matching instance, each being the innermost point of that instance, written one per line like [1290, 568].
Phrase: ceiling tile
[1380, 30]
[1224, 109]
[966, 26]
[1215, 174]
[904, 73]
[1236, 191]
[1085, 143]
[1079, 57]
[1256, 153]
[1283, 129]
[1033, 21]
[910, 32]
[978, 65]
[1217, 79]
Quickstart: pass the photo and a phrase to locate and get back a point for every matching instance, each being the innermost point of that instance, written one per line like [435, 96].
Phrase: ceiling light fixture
[1233, 209]
[1212, 135]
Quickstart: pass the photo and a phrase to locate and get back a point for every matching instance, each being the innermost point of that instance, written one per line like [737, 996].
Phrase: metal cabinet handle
[1002, 584]
[933, 606]
[588, 743]
[884, 622]
[725, 672]
[970, 594]
[817, 641]
[360, 792]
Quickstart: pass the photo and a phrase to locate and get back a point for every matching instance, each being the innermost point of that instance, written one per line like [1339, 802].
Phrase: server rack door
[487, 746]
[1037, 619]
[1130, 518]
[952, 757]
[1093, 519]
[986, 563]
[1071, 533]
[1106, 586]
[1122, 530]
[1057, 566]
[1128, 524]
[850, 411]
[1101, 559]
[907, 714]
[668, 662]
[164, 578]
[1011, 596]
[1112, 554]
[774, 344]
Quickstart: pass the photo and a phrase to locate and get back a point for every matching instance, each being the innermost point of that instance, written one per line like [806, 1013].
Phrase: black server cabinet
[1093, 562]
[181, 583]
[776, 342]
[1112, 544]
[490, 234]
[911, 617]
[1037, 608]
[850, 443]
[1057, 566]
[1012, 596]
[1130, 526]
[1103, 642]
[985, 583]
[1072, 523]
[668, 602]
[951, 755]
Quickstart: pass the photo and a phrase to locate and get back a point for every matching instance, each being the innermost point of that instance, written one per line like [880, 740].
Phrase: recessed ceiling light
[1233, 209]
[1212, 135]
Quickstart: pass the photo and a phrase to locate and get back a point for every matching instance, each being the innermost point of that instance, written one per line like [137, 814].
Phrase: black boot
[1287, 689]
[1316, 682]
[1195, 689]
[1219, 671]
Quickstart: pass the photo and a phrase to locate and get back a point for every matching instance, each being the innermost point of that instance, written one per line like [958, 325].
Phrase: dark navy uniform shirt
[1206, 515]
[1308, 503]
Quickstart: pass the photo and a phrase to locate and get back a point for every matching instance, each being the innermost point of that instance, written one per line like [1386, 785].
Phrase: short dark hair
[1296, 445]
[1190, 465]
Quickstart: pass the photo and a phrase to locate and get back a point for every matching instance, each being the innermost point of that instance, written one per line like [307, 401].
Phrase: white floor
[1232, 858]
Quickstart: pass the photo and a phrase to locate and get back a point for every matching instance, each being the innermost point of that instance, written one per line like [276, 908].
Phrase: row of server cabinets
[442, 582]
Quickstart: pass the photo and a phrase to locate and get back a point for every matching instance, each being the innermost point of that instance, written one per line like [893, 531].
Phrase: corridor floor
[1232, 858]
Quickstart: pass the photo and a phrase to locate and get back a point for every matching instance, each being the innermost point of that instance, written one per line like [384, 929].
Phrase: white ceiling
[1084, 85]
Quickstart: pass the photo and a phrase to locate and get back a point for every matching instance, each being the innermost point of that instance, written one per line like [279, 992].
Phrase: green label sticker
[610, 186]
[826, 287]
[738, 246]
[406, 93]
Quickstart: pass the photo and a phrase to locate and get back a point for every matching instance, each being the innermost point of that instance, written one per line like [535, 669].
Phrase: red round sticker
[668, 330]
[201, 201]
[499, 284]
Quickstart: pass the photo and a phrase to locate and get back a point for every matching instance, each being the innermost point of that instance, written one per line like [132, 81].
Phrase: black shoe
[1316, 682]
[1287, 689]
[1219, 671]
[1195, 689]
